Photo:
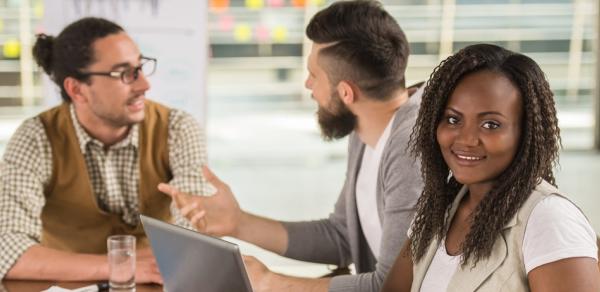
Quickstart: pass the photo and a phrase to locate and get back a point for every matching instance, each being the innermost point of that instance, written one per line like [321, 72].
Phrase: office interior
[262, 134]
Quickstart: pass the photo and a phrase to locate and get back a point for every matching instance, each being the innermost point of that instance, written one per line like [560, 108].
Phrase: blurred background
[260, 124]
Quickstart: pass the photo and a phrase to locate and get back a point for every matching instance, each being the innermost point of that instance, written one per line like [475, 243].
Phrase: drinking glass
[121, 262]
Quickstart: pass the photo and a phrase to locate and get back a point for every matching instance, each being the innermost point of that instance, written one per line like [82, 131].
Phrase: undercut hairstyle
[71, 51]
[368, 47]
[536, 156]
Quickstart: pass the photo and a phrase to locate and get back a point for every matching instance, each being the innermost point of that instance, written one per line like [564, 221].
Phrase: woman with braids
[490, 217]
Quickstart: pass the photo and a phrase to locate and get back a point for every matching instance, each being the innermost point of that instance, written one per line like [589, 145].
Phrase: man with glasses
[129, 74]
[84, 170]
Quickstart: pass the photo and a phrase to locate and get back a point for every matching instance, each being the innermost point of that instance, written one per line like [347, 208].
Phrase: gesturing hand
[217, 215]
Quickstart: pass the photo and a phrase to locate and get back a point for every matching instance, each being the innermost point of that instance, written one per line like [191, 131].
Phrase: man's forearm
[266, 233]
[42, 263]
[279, 282]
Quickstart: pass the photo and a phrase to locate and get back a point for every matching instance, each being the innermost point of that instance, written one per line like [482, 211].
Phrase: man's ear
[346, 92]
[76, 89]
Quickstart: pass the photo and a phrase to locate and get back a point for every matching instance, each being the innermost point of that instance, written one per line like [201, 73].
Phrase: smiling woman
[478, 136]
[490, 217]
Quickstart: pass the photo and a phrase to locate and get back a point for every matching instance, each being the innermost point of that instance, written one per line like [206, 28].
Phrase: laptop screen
[190, 261]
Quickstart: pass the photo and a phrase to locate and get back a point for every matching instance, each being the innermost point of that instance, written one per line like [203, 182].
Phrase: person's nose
[468, 135]
[141, 83]
[308, 83]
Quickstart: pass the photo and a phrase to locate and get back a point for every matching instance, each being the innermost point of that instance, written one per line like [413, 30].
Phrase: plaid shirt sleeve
[24, 169]
[187, 155]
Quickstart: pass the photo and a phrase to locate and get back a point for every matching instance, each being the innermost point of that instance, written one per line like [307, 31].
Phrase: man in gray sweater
[356, 75]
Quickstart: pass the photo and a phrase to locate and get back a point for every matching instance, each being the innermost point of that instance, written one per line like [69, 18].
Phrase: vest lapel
[420, 269]
[468, 279]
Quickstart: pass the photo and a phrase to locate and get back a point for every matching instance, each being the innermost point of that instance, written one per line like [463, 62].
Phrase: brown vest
[71, 218]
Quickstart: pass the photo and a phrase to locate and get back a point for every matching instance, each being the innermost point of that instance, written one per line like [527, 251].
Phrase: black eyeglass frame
[135, 71]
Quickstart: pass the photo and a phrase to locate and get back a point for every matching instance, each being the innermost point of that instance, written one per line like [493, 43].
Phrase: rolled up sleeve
[187, 155]
[24, 169]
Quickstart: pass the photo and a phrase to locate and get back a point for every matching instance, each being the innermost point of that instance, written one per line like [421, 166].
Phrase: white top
[556, 230]
[366, 191]
[440, 270]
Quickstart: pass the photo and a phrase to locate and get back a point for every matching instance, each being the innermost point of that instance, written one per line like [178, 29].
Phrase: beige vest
[71, 218]
[504, 270]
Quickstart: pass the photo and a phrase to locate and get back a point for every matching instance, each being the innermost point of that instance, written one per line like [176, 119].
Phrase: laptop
[190, 261]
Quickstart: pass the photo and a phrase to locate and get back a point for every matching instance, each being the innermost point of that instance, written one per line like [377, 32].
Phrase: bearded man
[356, 75]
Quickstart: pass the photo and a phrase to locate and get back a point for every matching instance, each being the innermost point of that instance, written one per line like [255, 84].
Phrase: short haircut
[368, 47]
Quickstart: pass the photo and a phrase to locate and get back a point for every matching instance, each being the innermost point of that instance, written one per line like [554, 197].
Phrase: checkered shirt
[26, 169]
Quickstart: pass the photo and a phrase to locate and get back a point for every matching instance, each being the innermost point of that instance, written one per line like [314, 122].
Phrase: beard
[336, 120]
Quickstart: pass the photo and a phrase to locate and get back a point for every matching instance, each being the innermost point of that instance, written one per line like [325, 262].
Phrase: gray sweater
[339, 239]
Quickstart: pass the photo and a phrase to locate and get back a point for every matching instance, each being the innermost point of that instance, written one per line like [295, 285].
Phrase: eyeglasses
[129, 75]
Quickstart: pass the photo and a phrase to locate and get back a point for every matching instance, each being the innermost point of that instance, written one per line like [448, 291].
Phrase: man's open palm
[217, 214]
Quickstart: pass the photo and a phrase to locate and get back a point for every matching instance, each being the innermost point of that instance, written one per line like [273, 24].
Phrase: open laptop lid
[190, 261]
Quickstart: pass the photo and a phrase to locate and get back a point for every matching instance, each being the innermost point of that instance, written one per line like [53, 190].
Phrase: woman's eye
[491, 125]
[452, 120]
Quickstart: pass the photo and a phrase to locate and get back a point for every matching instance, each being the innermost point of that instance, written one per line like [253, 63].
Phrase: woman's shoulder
[556, 206]
[545, 188]
[557, 229]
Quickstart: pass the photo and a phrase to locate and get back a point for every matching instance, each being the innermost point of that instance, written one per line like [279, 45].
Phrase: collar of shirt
[84, 138]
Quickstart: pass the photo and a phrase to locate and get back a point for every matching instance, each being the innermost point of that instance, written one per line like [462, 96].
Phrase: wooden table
[37, 286]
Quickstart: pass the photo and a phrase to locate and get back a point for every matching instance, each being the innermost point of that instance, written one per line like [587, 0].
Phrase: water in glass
[122, 269]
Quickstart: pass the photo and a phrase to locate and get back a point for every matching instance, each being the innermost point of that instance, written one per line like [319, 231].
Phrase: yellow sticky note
[280, 34]
[242, 33]
[317, 2]
[255, 4]
[11, 49]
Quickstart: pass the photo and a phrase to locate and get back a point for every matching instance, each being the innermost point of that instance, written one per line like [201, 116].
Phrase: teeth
[473, 158]
[136, 102]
